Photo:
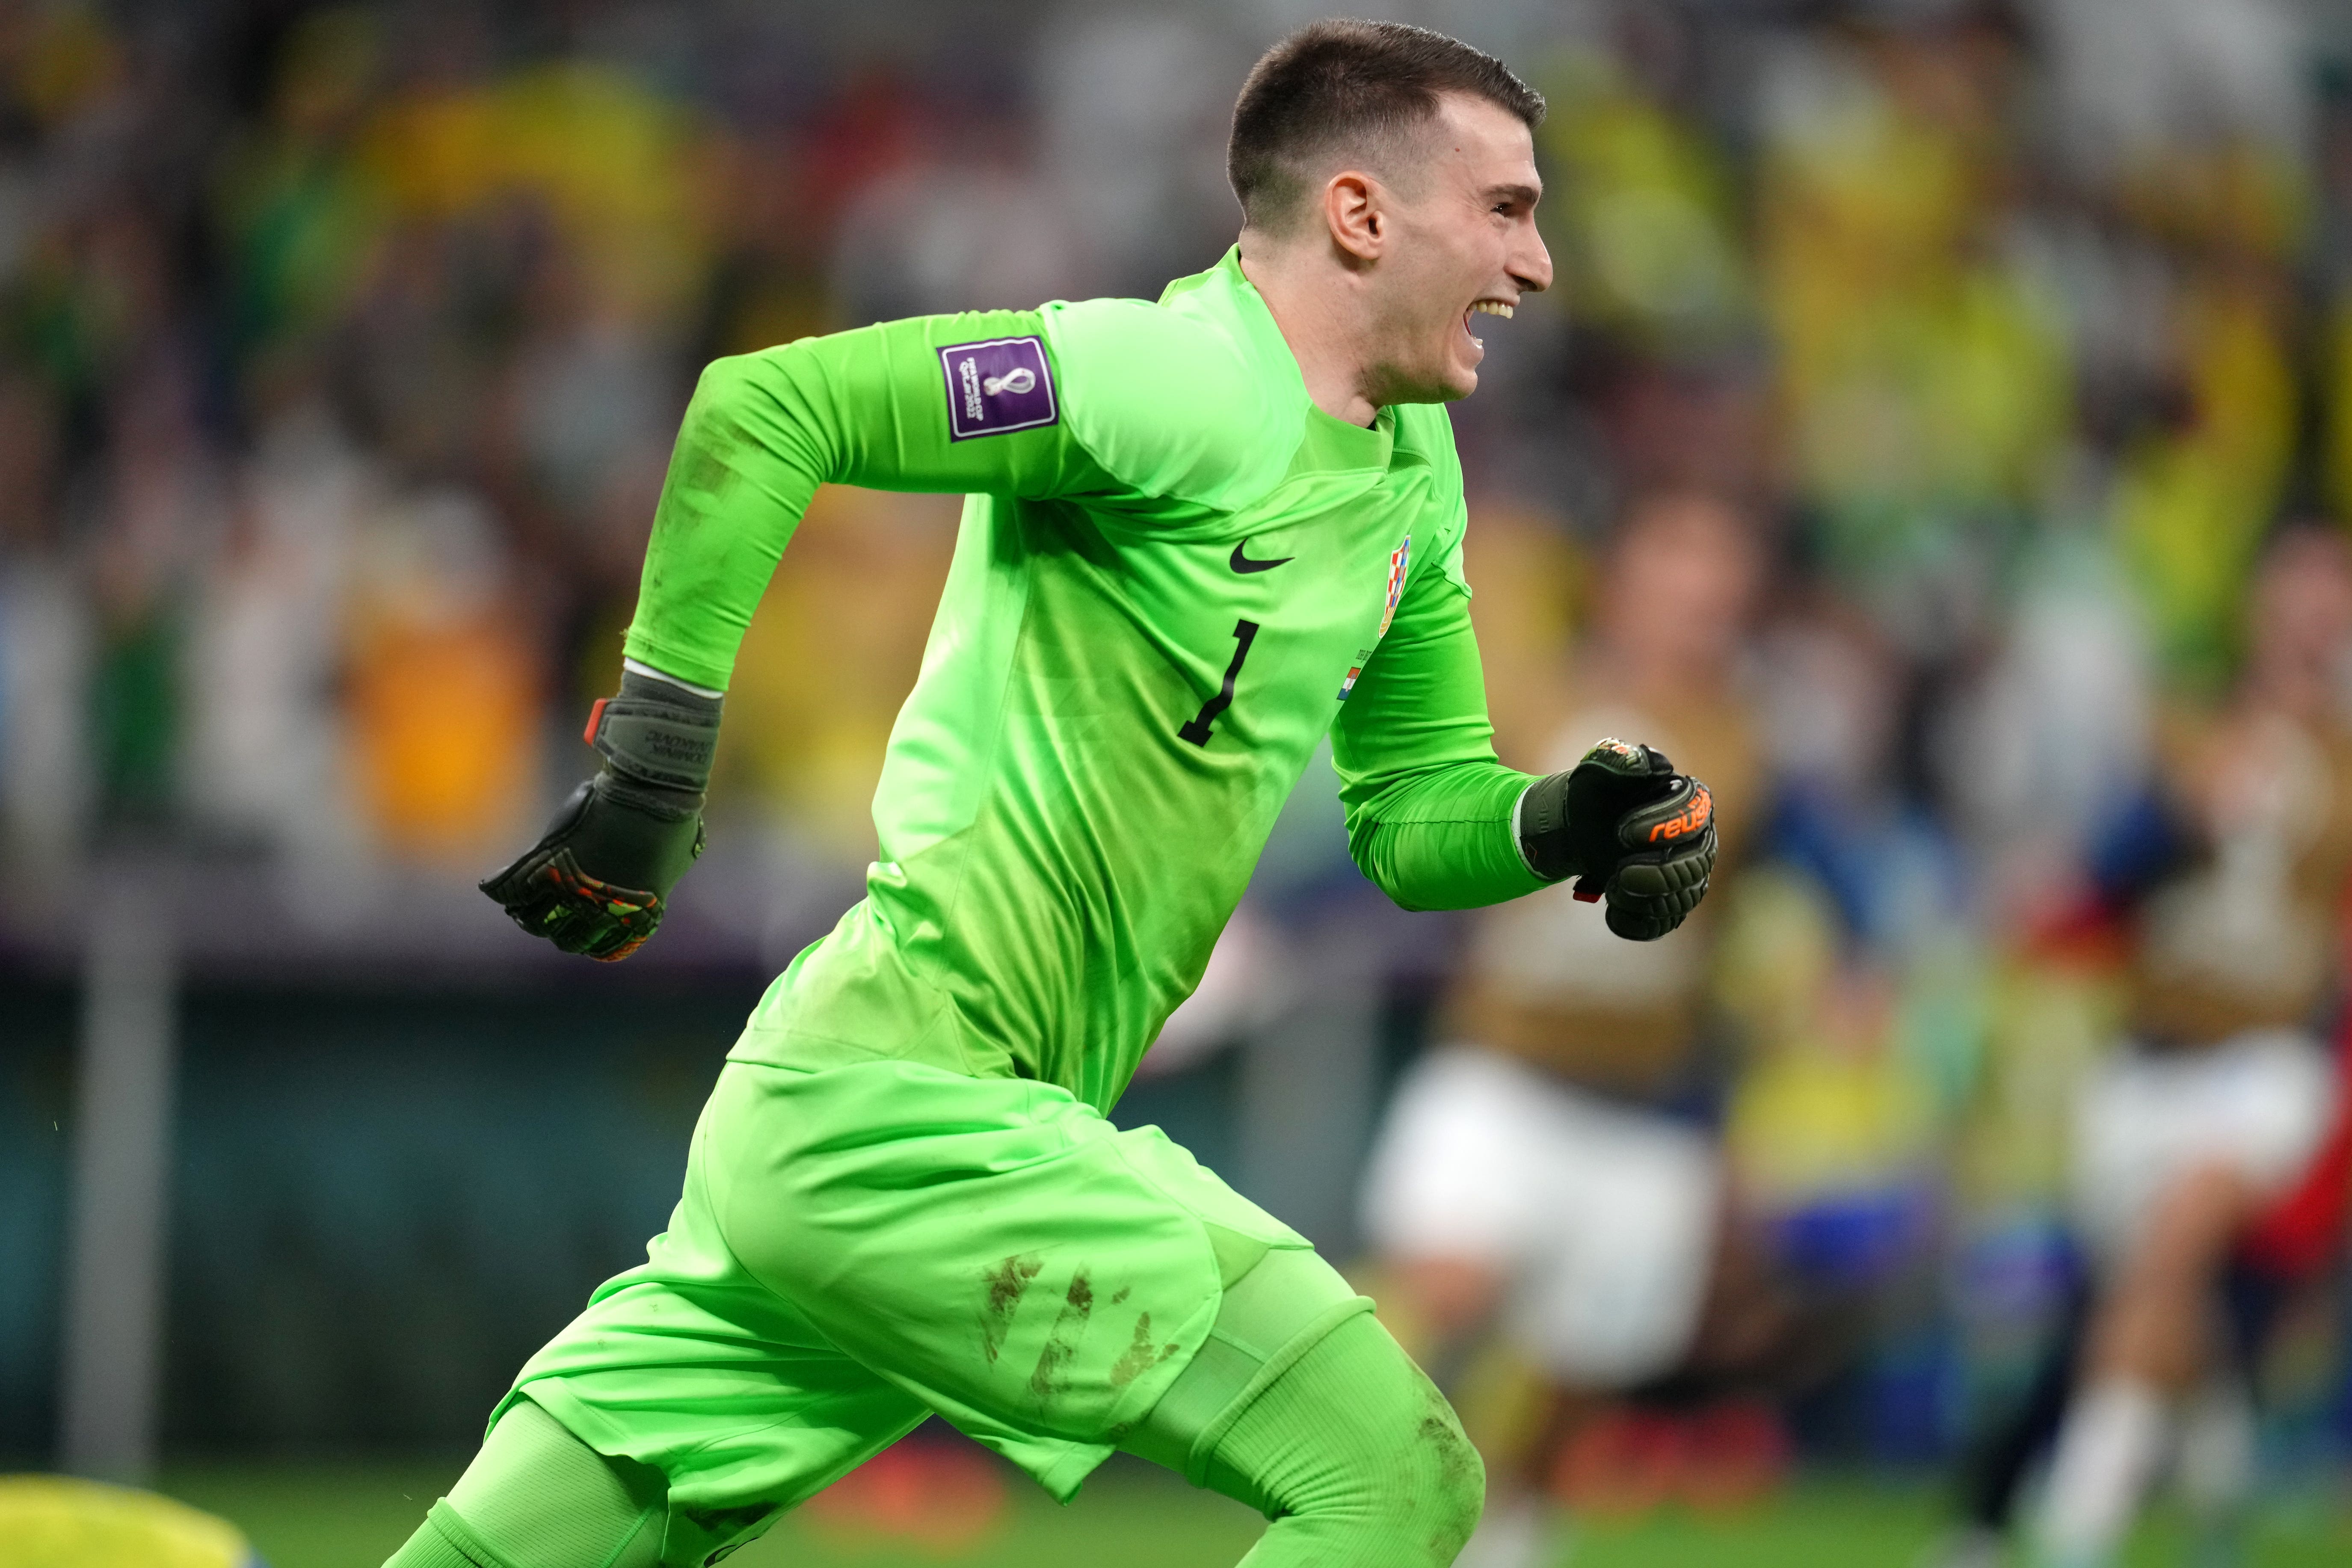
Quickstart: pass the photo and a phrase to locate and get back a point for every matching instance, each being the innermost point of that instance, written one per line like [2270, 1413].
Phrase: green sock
[1300, 1405]
[536, 1497]
[1355, 1457]
[1278, 1301]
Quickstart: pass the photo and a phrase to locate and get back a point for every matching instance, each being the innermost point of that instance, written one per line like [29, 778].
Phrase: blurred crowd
[1940, 439]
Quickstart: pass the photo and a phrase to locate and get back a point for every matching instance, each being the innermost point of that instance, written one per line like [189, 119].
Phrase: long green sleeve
[764, 430]
[1429, 806]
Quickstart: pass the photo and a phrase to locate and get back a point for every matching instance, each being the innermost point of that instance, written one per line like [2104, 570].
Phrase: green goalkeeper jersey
[1174, 576]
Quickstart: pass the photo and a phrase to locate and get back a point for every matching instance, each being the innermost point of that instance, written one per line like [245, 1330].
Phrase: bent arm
[1429, 807]
[869, 407]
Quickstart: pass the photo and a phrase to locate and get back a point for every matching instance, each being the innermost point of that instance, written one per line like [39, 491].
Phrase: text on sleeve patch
[1001, 385]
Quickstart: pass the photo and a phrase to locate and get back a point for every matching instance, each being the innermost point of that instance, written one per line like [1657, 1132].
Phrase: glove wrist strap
[1543, 830]
[656, 737]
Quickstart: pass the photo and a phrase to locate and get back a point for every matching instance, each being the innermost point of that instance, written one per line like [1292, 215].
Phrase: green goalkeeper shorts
[859, 1246]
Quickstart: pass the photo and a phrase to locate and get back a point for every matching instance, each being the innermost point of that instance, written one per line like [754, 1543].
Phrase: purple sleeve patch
[999, 385]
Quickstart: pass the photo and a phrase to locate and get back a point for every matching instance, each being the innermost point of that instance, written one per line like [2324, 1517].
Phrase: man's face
[1463, 249]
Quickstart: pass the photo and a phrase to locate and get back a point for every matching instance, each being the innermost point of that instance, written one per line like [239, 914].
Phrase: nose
[1530, 263]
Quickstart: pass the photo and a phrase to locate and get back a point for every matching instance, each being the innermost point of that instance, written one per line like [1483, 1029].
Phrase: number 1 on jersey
[1198, 731]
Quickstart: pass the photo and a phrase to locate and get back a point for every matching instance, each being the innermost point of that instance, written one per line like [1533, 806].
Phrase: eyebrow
[1527, 195]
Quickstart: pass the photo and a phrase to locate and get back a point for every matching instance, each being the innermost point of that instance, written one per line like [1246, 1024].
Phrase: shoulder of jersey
[1427, 430]
[1170, 403]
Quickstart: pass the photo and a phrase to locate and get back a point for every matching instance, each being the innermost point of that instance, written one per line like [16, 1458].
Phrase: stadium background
[340, 352]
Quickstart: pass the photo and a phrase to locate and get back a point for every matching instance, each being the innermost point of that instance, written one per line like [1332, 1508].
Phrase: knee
[1356, 1457]
[1450, 1485]
[1412, 1476]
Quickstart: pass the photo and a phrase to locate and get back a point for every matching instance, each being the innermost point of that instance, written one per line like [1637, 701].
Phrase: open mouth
[1502, 308]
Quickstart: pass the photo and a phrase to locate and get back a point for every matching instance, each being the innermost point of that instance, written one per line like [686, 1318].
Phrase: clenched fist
[1630, 830]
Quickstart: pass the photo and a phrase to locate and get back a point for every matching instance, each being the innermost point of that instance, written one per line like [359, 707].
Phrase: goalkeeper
[1200, 534]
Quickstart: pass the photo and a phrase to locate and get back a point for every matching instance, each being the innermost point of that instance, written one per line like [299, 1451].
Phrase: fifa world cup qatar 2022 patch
[1000, 385]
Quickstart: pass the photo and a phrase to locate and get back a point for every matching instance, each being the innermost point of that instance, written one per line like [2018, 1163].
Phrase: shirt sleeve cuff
[638, 667]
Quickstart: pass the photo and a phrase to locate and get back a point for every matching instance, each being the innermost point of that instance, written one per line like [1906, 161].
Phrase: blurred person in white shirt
[2199, 1141]
[1547, 1169]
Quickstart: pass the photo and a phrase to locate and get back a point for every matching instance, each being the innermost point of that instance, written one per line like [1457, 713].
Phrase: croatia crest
[1398, 558]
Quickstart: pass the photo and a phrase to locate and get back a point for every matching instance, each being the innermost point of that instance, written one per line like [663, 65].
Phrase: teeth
[1491, 308]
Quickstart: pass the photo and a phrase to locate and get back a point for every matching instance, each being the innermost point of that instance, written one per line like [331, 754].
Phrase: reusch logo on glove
[1692, 819]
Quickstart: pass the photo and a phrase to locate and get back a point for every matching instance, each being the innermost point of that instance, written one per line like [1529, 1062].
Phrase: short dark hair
[1339, 82]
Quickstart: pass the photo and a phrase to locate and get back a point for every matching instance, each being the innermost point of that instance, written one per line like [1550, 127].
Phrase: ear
[1352, 210]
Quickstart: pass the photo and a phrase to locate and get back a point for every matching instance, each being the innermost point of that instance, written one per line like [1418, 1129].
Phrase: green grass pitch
[352, 1516]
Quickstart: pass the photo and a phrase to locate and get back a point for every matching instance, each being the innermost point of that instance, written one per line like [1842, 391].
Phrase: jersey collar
[1246, 309]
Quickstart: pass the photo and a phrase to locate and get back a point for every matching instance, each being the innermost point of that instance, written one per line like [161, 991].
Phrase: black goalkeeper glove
[595, 883]
[1630, 830]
